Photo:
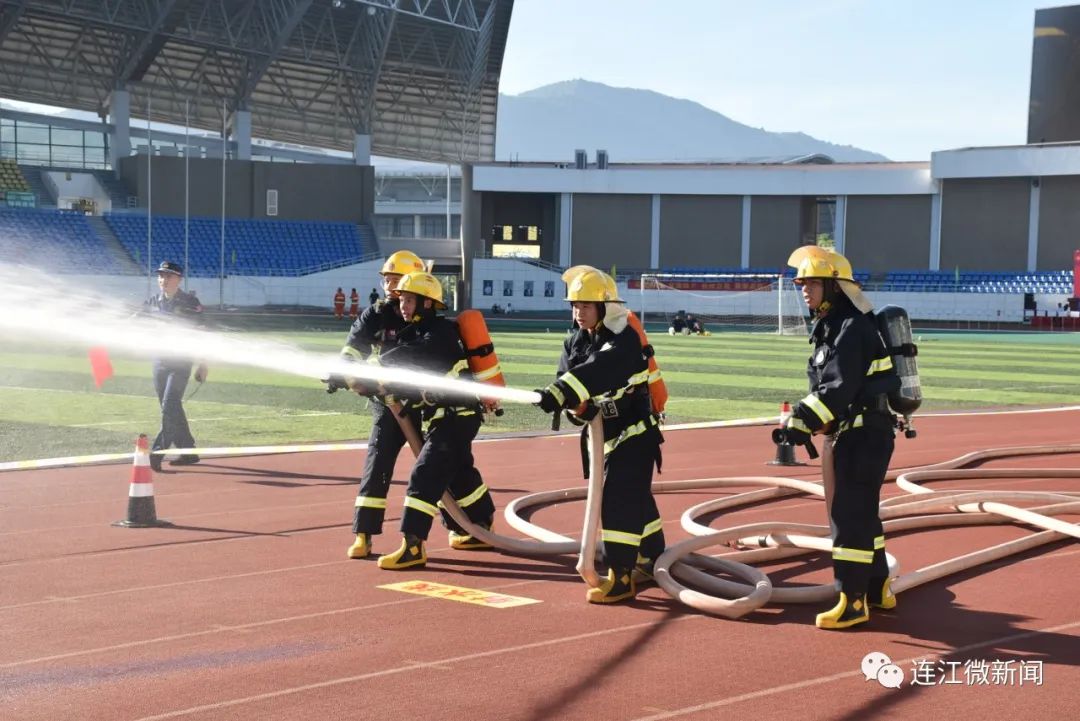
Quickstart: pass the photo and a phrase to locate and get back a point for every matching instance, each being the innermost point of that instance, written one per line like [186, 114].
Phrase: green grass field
[49, 406]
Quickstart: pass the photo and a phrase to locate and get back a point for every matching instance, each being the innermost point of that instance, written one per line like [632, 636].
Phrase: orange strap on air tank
[480, 351]
[658, 393]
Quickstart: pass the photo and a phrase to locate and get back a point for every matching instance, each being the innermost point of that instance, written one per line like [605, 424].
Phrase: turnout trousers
[384, 446]
[630, 522]
[446, 464]
[170, 382]
[860, 460]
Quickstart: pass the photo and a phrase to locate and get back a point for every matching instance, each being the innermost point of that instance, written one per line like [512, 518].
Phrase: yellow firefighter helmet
[402, 262]
[593, 286]
[423, 284]
[812, 261]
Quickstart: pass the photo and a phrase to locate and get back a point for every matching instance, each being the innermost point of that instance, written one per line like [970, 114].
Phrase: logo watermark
[877, 666]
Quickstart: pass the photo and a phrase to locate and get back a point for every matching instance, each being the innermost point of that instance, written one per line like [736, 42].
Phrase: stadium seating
[11, 178]
[252, 247]
[1054, 282]
[58, 240]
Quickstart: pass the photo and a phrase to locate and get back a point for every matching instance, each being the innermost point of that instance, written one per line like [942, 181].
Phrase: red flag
[100, 367]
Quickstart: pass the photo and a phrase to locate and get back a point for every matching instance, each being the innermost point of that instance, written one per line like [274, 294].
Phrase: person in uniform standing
[604, 369]
[171, 373]
[373, 297]
[851, 375]
[354, 304]
[432, 343]
[376, 330]
[339, 304]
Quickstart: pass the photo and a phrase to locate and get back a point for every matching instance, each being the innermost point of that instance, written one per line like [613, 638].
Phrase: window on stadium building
[42, 144]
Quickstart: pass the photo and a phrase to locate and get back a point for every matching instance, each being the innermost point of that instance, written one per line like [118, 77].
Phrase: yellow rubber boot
[643, 571]
[470, 543]
[845, 614]
[411, 554]
[884, 599]
[619, 586]
[361, 547]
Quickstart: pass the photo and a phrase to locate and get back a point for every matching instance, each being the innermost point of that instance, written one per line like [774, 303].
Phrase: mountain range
[550, 122]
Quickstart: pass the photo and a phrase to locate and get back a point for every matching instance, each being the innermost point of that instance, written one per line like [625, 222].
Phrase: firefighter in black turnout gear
[377, 330]
[851, 374]
[604, 369]
[171, 373]
[432, 343]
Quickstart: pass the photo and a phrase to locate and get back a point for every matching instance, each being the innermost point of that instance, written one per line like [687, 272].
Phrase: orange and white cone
[141, 511]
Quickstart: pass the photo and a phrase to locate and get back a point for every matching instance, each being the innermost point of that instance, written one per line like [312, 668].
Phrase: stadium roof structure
[421, 77]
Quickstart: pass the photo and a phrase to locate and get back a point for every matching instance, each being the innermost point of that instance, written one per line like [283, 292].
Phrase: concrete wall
[612, 230]
[888, 232]
[1059, 222]
[984, 223]
[700, 230]
[71, 187]
[775, 229]
[343, 193]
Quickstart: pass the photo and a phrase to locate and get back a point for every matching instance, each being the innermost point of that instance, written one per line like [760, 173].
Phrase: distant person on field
[509, 308]
[373, 297]
[171, 373]
[678, 324]
[354, 304]
[339, 304]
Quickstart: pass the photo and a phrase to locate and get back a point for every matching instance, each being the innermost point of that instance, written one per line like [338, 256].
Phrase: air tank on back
[895, 329]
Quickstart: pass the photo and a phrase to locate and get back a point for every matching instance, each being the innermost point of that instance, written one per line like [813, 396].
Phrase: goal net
[759, 302]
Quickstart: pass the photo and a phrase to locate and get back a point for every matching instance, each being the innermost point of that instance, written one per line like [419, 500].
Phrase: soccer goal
[753, 302]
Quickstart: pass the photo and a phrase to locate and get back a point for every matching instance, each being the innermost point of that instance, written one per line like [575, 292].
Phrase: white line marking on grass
[220, 418]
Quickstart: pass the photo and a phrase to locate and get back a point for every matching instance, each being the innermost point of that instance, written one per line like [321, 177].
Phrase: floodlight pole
[187, 164]
[149, 201]
[224, 154]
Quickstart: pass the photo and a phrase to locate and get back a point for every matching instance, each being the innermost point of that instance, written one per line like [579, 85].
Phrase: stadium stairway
[113, 245]
[45, 198]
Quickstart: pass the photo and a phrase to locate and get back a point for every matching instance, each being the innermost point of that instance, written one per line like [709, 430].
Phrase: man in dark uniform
[605, 367]
[373, 297]
[377, 330]
[432, 343]
[851, 374]
[171, 374]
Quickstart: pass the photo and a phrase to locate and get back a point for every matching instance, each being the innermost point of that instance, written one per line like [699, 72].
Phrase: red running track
[248, 608]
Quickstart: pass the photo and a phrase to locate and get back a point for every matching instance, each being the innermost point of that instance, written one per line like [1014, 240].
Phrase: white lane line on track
[411, 667]
[218, 628]
[580, 637]
[269, 450]
[798, 685]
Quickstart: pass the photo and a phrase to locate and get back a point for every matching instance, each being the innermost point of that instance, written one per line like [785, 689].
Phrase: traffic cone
[785, 452]
[141, 512]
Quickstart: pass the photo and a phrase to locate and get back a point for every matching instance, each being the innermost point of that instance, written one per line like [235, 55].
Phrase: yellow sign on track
[457, 593]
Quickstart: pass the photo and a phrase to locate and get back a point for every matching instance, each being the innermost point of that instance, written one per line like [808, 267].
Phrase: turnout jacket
[609, 372]
[377, 327]
[431, 344]
[850, 373]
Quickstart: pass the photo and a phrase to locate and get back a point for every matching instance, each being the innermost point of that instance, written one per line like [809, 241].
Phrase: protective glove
[588, 411]
[335, 383]
[200, 373]
[549, 402]
[794, 432]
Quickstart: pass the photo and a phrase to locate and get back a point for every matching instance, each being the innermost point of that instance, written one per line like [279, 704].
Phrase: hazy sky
[899, 78]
